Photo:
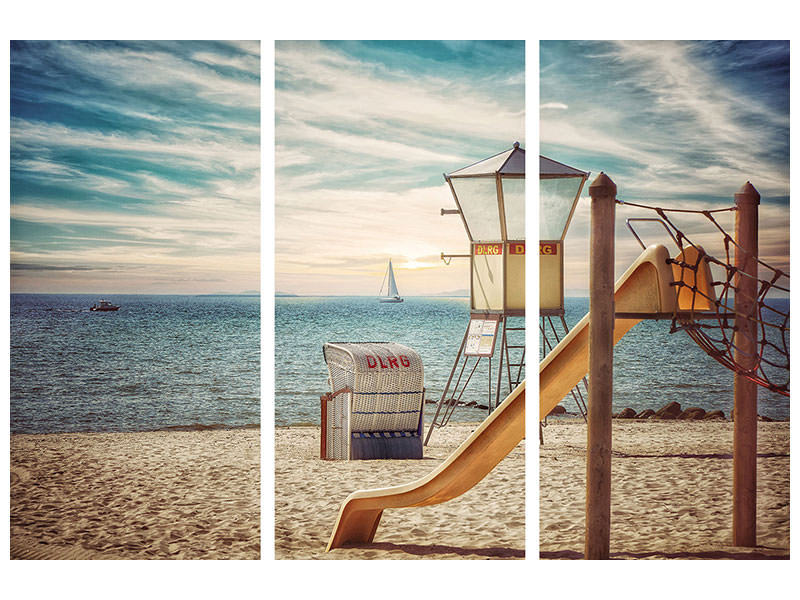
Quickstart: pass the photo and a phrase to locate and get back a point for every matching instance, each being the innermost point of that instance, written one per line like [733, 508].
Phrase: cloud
[38, 267]
[363, 134]
[185, 144]
[322, 86]
[379, 149]
[675, 125]
[126, 154]
[670, 117]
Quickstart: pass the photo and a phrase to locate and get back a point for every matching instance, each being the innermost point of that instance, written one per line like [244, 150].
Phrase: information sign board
[481, 335]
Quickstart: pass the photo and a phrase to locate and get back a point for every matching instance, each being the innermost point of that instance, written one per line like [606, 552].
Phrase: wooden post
[745, 394]
[601, 368]
[323, 429]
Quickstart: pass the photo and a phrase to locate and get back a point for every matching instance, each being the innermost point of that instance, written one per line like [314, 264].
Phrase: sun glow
[413, 264]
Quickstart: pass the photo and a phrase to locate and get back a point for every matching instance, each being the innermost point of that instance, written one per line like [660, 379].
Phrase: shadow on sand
[434, 549]
[775, 554]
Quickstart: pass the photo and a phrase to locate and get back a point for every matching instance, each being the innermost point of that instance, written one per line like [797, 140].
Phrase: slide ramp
[498, 435]
[645, 289]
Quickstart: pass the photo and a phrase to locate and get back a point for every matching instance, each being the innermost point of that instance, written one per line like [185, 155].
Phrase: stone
[627, 413]
[673, 409]
[714, 414]
[558, 410]
[693, 413]
[648, 412]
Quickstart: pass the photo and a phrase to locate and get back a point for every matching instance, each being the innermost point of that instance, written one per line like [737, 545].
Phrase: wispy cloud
[363, 133]
[553, 106]
[129, 154]
[675, 124]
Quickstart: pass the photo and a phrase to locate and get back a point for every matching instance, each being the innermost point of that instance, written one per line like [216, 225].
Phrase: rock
[673, 409]
[649, 412]
[558, 410]
[714, 414]
[471, 404]
[693, 413]
[627, 413]
[765, 419]
[482, 407]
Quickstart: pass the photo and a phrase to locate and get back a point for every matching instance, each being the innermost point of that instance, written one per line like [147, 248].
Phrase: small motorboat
[104, 305]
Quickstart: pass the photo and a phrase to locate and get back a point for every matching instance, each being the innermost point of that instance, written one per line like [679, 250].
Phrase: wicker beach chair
[375, 406]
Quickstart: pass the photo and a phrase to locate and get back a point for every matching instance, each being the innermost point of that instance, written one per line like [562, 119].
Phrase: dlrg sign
[488, 249]
[548, 248]
[374, 361]
[496, 249]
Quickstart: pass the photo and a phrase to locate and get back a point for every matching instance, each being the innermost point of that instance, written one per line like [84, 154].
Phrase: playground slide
[502, 430]
[646, 288]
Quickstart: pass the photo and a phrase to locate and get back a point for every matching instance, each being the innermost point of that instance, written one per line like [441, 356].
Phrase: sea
[652, 367]
[160, 362]
[184, 362]
[431, 326]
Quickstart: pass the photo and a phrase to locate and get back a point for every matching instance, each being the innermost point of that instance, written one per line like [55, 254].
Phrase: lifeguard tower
[560, 188]
[490, 198]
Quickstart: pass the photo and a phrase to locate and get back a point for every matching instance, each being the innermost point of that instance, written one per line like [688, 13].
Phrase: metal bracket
[638, 239]
[446, 258]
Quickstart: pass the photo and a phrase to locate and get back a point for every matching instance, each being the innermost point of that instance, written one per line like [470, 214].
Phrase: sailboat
[392, 295]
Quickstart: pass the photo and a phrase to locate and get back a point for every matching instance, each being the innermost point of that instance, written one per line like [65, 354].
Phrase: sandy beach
[161, 494]
[671, 492]
[487, 522]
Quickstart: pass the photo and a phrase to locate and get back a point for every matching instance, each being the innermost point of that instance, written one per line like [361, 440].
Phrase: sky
[674, 124]
[363, 133]
[135, 167]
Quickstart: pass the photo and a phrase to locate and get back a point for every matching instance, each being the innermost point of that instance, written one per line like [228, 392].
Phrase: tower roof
[509, 162]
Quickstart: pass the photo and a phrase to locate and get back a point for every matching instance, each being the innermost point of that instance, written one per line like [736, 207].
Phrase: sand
[162, 495]
[195, 494]
[671, 494]
[487, 522]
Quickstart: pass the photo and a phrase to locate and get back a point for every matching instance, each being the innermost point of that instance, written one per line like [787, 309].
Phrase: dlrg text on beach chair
[375, 406]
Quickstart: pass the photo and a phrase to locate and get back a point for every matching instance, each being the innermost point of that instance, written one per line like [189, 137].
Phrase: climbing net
[714, 330]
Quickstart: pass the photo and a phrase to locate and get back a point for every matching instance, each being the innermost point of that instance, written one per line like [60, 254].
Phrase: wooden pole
[745, 395]
[323, 429]
[601, 369]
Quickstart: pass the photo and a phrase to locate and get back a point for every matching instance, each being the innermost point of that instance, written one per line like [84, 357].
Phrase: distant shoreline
[367, 296]
[124, 294]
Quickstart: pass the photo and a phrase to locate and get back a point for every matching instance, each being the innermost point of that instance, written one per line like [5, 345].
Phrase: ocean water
[433, 327]
[158, 362]
[653, 367]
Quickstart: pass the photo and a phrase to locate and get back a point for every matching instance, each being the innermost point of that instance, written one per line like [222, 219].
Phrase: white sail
[392, 283]
[392, 295]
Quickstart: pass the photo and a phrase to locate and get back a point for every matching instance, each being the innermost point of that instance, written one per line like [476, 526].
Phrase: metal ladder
[547, 345]
[512, 364]
[515, 371]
